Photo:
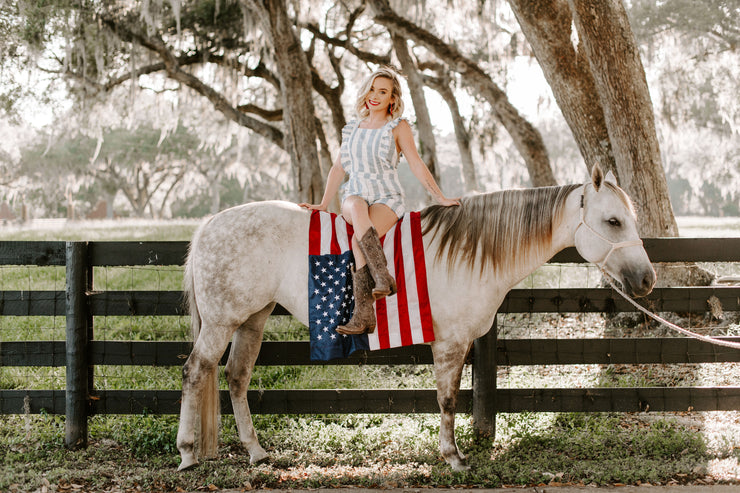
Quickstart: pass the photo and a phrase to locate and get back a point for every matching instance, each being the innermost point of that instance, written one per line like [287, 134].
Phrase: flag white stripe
[373, 342]
[325, 234]
[341, 226]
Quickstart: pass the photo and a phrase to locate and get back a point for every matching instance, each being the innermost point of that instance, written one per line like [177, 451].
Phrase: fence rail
[80, 303]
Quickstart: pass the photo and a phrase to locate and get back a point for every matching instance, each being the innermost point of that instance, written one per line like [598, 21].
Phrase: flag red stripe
[334, 247]
[314, 234]
[350, 233]
[404, 321]
[381, 315]
[425, 310]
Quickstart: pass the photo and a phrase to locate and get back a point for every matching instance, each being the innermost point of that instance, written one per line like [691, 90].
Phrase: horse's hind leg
[449, 359]
[244, 352]
[200, 395]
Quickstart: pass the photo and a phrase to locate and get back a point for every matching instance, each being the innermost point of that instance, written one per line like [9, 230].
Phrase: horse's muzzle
[639, 284]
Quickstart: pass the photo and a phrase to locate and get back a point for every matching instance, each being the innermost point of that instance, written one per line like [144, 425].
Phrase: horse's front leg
[449, 359]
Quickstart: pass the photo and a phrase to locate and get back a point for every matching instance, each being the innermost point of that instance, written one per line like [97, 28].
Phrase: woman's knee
[354, 205]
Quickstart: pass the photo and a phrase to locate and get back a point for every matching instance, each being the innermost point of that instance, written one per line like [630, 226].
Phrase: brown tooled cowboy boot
[363, 316]
[371, 248]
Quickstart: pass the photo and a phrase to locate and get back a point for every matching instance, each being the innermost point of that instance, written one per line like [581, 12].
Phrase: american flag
[403, 319]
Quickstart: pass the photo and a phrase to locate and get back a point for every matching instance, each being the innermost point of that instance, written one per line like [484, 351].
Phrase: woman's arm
[405, 141]
[333, 181]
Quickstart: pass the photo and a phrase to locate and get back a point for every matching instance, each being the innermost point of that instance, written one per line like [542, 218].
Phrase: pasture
[362, 450]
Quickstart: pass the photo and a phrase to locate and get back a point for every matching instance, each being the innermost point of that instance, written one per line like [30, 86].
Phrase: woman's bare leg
[382, 217]
[357, 213]
[372, 249]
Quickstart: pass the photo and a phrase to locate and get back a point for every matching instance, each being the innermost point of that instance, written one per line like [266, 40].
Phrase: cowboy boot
[371, 248]
[363, 316]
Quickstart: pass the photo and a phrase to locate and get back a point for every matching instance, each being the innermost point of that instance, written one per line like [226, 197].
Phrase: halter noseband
[614, 245]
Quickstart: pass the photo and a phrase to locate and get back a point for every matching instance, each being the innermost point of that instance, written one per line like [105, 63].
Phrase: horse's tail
[189, 292]
[208, 399]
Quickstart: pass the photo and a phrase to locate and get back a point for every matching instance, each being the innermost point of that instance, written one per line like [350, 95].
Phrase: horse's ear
[597, 176]
[611, 178]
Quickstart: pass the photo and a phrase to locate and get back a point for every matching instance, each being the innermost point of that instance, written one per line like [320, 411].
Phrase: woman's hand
[313, 207]
[448, 202]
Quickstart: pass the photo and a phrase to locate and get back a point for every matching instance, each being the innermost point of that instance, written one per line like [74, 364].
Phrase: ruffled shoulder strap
[349, 128]
[388, 141]
[394, 123]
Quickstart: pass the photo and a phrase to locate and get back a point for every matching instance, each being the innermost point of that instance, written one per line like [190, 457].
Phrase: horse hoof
[258, 456]
[187, 463]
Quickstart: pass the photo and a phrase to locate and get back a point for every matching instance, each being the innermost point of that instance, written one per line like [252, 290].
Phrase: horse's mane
[498, 227]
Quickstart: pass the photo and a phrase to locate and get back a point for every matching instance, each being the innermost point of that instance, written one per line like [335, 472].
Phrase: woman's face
[380, 95]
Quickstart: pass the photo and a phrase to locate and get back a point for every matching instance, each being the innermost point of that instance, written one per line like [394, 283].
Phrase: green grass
[123, 230]
[598, 449]
[358, 450]
[153, 278]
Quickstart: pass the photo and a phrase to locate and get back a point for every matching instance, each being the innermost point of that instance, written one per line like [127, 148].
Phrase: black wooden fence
[80, 303]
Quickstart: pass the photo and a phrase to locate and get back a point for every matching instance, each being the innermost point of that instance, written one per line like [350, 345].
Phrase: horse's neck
[564, 230]
[563, 234]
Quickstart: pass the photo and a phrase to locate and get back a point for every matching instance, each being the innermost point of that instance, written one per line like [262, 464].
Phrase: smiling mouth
[373, 103]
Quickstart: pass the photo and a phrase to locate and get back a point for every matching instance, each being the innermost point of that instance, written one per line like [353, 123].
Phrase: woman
[373, 198]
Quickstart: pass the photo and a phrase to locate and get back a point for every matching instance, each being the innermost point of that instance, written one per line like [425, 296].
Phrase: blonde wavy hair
[395, 109]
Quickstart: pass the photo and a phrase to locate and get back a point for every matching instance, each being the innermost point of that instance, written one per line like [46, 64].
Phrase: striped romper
[369, 157]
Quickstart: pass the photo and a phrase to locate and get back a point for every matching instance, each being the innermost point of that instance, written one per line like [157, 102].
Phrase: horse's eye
[614, 222]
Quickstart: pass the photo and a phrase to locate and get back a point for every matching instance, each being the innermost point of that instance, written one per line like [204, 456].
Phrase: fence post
[77, 345]
[484, 384]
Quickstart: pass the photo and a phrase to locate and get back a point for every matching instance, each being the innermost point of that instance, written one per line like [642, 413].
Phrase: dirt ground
[533, 489]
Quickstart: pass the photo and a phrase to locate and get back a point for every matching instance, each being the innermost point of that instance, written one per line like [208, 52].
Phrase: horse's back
[248, 256]
[273, 220]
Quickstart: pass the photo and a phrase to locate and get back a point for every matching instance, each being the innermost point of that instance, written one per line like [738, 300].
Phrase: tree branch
[345, 43]
[175, 72]
[265, 114]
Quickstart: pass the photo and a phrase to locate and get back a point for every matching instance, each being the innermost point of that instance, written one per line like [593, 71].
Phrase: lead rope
[710, 340]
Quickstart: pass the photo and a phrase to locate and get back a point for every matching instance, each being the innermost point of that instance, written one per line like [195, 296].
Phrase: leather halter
[614, 245]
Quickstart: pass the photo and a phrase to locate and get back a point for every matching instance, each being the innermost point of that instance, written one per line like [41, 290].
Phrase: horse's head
[607, 234]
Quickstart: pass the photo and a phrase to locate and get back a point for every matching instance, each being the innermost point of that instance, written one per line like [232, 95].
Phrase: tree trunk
[547, 26]
[326, 163]
[442, 86]
[333, 98]
[427, 147]
[108, 198]
[215, 196]
[297, 96]
[611, 48]
[527, 139]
